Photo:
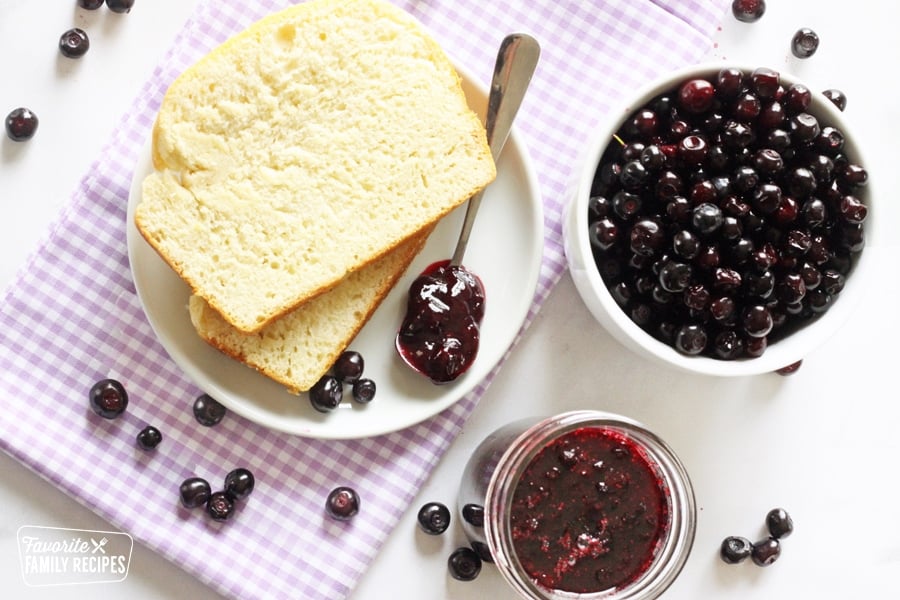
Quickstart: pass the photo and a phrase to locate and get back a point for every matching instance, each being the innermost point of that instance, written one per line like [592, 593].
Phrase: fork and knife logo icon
[98, 546]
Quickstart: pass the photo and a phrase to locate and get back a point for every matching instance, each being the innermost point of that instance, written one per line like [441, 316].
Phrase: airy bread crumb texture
[298, 348]
[304, 148]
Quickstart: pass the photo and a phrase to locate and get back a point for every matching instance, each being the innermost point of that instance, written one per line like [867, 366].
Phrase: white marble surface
[822, 443]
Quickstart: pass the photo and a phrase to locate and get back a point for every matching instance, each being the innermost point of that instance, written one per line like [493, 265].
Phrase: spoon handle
[516, 62]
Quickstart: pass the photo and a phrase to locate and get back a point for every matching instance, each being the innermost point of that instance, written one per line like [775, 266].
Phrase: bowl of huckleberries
[719, 220]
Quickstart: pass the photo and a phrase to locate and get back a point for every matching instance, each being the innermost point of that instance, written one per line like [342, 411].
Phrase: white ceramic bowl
[589, 283]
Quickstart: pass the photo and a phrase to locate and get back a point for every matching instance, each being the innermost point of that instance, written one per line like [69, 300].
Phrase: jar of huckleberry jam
[583, 504]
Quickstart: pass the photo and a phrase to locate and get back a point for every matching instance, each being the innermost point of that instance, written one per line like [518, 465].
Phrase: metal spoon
[516, 62]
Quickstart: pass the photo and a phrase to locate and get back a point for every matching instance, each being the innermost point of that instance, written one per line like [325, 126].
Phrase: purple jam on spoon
[440, 331]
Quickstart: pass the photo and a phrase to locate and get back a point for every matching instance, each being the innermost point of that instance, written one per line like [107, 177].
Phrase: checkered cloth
[72, 317]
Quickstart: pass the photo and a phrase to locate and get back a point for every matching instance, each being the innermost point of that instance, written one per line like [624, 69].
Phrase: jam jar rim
[675, 545]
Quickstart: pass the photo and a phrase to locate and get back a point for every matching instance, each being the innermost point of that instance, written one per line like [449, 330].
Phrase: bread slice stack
[297, 348]
[298, 169]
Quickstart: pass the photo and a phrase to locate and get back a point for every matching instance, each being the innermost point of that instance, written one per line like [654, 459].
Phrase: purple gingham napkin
[72, 316]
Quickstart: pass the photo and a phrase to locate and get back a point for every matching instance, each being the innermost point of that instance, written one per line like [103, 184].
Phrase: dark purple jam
[440, 333]
[589, 512]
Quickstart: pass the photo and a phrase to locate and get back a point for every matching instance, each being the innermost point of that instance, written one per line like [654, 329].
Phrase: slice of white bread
[300, 346]
[304, 148]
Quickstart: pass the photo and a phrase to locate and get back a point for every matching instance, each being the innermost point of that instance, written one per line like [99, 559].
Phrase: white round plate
[505, 250]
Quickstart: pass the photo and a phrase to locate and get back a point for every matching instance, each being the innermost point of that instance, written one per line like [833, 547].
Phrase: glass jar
[498, 520]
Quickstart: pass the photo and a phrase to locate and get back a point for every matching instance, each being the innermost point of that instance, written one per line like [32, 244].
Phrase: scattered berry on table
[483, 551]
[208, 411]
[364, 390]
[194, 492]
[765, 552]
[74, 43]
[473, 514]
[239, 483]
[748, 11]
[464, 564]
[219, 506]
[108, 398]
[21, 123]
[90, 4]
[804, 43]
[837, 97]
[779, 523]
[149, 437]
[342, 503]
[326, 394]
[735, 549]
[120, 6]
[434, 518]
[790, 369]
